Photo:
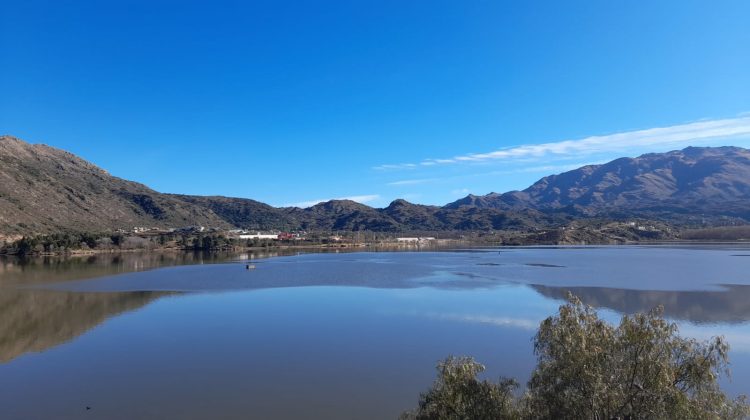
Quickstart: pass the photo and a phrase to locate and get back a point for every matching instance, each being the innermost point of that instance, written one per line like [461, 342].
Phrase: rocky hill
[691, 183]
[415, 216]
[242, 212]
[342, 215]
[43, 190]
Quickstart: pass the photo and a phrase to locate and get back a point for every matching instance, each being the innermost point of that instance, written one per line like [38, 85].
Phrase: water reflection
[330, 336]
[16, 271]
[729, 306]
[35, 320]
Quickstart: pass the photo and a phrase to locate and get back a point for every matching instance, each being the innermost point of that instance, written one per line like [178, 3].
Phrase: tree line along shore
[601, 233]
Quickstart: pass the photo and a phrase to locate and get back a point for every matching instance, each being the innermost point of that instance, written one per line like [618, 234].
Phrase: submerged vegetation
[590, 369]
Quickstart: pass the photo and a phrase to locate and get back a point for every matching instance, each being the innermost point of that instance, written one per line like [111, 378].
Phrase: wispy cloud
[358, 198]
[542, 169]
[410, 182]
[676, 135]
[548, 169]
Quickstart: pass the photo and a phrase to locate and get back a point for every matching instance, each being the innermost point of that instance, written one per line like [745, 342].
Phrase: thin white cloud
[676, 135]
[410, 182]
[358, 198]
[543, 169]
[548, 169]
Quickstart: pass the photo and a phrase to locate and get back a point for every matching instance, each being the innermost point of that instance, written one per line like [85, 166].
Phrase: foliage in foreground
[458, 394]
[590, 369]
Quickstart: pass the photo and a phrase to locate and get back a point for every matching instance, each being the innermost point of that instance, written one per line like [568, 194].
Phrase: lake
[323, 335]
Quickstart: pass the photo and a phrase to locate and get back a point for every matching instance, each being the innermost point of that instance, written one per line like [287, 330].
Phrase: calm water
[350, 335]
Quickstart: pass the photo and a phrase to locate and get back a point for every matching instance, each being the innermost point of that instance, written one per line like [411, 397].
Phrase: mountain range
[692, 181]
[44, 189]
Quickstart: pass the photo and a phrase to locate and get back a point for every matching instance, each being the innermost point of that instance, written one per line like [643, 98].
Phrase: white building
[259, 236]
[414, 239]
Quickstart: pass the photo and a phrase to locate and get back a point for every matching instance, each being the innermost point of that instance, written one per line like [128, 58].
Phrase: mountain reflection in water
[16, 271]
[35, 320]
[729, 306]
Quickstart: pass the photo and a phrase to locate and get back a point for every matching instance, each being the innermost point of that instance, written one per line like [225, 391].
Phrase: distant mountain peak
[336, 203]
[694, 180]
[399, 202]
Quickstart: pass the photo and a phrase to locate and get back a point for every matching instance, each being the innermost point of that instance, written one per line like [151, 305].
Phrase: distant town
[202, 238]
[267, 235]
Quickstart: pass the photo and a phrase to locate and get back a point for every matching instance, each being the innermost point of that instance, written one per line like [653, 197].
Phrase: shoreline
[443, 243]
[387, 246]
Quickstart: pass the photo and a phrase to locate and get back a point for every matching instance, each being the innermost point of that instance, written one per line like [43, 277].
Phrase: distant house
[143, 229]
[191, 229]
[415, 239]
[259, 235]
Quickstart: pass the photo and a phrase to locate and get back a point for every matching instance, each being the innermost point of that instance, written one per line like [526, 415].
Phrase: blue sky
[293, 102]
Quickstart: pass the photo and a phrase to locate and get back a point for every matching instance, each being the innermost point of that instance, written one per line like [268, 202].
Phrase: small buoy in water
[249, 266]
